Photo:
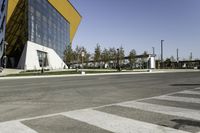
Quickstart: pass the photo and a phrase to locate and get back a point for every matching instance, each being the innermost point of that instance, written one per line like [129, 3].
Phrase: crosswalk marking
[15, 127]
[190, 92]
[116, 123]
[178, 99]
[120, 124]
[174, 111]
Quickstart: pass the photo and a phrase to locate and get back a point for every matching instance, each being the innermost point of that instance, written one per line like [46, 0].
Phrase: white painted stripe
[15, 127]
[174, 111]
[197, 89]
[190, 92]
[116, 123]
[178, 99]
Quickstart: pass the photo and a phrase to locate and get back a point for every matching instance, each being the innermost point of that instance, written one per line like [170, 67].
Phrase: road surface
[132, 103]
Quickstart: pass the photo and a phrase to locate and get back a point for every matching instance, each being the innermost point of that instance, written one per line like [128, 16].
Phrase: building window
[42, 58]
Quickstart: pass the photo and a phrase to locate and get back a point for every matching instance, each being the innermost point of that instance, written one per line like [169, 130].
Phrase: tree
[144, 59]
[168, 63]
[86, 54]
[113, 56]
[172, 59]
[105, 56]
[97, 54]
[132, 59]
[68, 55]
[121, 55]
[77, 54]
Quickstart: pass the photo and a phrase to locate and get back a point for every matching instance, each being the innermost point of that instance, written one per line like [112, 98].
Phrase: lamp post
[5, 57]
[82, 55]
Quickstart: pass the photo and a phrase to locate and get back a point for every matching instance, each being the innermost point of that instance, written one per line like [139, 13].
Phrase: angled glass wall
[47, 27]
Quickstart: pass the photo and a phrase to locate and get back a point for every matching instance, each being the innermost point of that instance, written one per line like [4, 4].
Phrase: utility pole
[177, 55]
[191, 56]
[162, 53]
[153, 48]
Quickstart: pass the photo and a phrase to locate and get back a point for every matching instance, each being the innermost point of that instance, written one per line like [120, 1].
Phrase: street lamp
[5, 57]
[118, 66]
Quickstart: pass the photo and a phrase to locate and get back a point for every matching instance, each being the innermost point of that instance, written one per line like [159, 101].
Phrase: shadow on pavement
[185, 85]
[180, 123]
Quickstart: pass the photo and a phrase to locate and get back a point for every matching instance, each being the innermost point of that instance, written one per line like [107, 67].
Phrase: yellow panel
[69, 12]
[11, 6]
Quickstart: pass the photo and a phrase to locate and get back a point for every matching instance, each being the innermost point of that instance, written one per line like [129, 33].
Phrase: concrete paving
[77, 104]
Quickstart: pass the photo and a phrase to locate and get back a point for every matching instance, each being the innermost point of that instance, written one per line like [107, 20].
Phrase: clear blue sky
[140, 25]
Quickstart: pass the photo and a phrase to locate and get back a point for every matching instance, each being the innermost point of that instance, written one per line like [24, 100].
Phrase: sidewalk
[10, 71]
[100, 74]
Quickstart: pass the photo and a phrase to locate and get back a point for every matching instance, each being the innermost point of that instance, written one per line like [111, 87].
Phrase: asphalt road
[129, 103]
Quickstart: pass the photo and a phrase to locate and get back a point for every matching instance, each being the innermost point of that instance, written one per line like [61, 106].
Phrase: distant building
[38, 32]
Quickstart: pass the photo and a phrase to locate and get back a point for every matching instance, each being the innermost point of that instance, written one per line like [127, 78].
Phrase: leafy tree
[121, 55]
[77, 54]
[86, 54]
[168, 63]
[113, 55]
[143, 60]
[97, 54]
[68, 55]
[172, 59]
[132, 59]
[105, 56]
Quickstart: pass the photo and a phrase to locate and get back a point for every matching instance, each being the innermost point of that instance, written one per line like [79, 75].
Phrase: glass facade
[47, 27]
[3, 8]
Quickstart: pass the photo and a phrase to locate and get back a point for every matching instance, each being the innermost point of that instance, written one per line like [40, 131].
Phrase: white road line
[178, 99]
[190, 92]
[15, 127]
[197, 89]
[116, 123]
[174, 111]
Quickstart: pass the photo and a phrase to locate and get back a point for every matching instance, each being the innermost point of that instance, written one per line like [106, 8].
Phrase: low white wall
[29, 58]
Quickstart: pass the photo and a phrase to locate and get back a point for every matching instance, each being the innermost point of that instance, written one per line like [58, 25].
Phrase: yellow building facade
[64, 7]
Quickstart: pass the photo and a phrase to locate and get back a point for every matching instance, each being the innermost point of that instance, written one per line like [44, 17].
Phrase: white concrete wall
[29, 59]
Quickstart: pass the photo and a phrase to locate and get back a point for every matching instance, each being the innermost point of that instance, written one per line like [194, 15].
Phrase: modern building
[38, 32]
[3, 7]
